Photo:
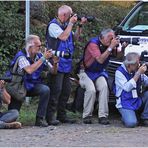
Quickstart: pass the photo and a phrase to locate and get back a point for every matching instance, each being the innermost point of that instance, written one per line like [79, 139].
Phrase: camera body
[89, 18]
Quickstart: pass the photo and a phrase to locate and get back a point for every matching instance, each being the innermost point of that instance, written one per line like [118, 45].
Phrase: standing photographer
[7, 119]
[59, 37]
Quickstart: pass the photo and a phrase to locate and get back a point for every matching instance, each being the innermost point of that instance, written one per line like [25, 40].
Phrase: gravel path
[76, 135]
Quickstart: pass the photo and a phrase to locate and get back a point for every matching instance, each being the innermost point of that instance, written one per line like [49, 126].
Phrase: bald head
[64, 10]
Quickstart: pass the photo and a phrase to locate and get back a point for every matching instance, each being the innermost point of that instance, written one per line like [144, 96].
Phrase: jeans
[7, 117]
[129, 117]
[60, 91]
[40, 90]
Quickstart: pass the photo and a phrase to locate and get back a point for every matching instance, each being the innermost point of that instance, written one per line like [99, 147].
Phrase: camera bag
[16, 87]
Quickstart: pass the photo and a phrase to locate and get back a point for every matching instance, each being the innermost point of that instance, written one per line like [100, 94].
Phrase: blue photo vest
[96, 69]
[65, 65]
[30, 80]
[127, 100]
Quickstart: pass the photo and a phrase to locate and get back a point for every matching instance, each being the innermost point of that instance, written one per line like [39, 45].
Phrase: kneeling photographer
[30, 65]
[8, 118]
[131, 100]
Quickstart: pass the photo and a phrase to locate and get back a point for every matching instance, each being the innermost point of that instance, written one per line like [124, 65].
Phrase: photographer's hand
[114, 43]
[73, 19]
[142, 69]
[83, 20]
[2, 84]
[47, 54]
[5, 96]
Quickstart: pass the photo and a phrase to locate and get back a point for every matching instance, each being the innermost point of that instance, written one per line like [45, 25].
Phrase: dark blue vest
[65, 65]
[127, 100]
[30, 80]
[96, 69]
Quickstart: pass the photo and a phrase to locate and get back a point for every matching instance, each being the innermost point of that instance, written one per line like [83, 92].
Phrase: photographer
[129, 78]
[59, 37]
[7, 119]
[93, 76]
[33, 62]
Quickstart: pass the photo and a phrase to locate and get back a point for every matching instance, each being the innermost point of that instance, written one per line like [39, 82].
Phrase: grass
[28, 113]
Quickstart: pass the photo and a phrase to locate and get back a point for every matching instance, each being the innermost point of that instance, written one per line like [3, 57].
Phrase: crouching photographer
[93, 75]
[30, 65]
[8, 118]
[131, 101]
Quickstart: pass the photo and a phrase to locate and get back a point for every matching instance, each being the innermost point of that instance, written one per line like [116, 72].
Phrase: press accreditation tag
[134, 93]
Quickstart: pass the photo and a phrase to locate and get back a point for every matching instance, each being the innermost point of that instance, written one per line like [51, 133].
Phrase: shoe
[13, 125]
[53, 122]
[67, 120]
[41, 122]
[87, 120]
[145, 122]
[103, 120]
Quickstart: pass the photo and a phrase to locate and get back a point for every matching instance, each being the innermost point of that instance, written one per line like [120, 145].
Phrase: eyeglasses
[39, 46]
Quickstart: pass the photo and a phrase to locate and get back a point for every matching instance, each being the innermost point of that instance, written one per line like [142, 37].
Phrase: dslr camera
[89, 18]
[61, 54]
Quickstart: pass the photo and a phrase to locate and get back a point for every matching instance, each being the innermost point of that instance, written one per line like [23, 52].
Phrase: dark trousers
[60, 91]
[40, 90]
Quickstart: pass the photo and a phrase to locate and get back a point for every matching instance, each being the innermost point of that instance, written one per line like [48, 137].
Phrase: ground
[78, 134]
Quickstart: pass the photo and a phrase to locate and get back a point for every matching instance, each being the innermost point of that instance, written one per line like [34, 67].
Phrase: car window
[138, 21]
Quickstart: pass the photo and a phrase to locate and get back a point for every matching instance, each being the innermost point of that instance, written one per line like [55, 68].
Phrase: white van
[134, 30]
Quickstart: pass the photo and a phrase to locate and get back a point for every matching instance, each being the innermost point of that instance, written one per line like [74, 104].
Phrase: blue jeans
[7, 117]
[40, 90]
[129, 117]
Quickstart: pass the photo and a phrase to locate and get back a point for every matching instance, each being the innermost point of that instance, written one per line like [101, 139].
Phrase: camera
[6, 79]
[89, 18]
[62, 54]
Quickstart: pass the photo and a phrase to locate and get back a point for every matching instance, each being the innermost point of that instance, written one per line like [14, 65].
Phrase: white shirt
[122, 84]
[54, 30]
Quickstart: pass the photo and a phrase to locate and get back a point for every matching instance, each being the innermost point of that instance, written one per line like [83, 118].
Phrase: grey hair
[30, 41]
[131, 58]
[64, 9]
[104, 32]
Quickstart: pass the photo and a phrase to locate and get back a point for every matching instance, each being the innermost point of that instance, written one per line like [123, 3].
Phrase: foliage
[12, 23]
[11, 32]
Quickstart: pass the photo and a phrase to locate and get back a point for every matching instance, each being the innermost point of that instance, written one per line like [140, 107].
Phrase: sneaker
[87, 120]
[54, 122]
[67, 120]
[103, 120]
[13, 125]
[41, 122]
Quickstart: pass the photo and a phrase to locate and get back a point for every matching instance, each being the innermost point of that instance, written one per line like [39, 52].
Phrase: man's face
[106, 40]
[36, 47]
[67, 16]
[134, 67]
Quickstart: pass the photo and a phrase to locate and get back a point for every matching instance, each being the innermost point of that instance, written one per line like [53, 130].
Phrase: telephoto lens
[62, 54]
